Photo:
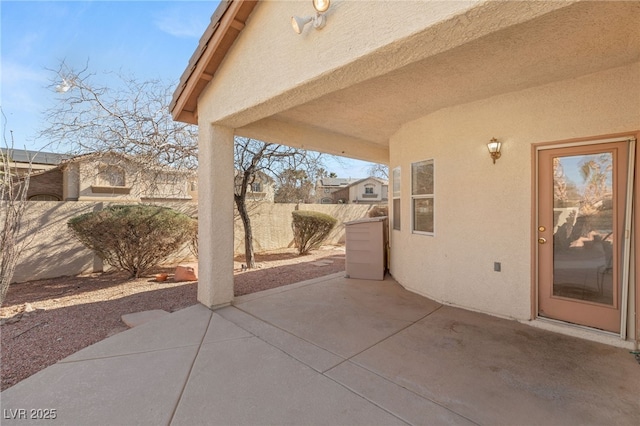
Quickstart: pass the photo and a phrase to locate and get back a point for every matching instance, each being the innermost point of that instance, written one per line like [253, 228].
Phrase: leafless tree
[13, 201]
[133, 120]
[294, 186]
[380, 171]
[124, 120]
[253, 158]
[129, 117]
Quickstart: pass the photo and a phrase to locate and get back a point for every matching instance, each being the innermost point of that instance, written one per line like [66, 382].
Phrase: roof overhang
[227, 22]
[354, 110]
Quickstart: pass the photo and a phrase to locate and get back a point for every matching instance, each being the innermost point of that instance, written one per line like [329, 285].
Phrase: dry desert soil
[45, 321]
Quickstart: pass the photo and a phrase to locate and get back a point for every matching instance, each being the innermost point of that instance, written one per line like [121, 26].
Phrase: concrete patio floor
[334, 351]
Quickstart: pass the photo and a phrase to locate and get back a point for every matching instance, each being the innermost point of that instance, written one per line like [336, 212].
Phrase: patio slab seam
[283, 289]
[120, 355]
[391, 335]
[193, 362]
[393, 384]
[350, 359]
[291, 334]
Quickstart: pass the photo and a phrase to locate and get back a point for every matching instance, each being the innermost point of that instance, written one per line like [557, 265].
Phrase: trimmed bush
[310, 229]
[134, 238]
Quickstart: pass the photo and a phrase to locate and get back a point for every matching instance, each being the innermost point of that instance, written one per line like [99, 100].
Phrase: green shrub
[134, 238]
[310, 229]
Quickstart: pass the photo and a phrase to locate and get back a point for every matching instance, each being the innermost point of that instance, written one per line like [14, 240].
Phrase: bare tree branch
[131, 117]
[13, 201]
[255, 159]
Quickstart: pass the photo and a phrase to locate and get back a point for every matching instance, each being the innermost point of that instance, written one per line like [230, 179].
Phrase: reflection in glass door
[581, 200]
[583, 237]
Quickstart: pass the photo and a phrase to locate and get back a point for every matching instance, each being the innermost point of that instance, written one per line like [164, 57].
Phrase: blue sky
[145, 39]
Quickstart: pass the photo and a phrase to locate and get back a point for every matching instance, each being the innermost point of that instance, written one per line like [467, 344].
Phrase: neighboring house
[101, 177]
[327, 187]
[260, 189]
[117, 177]
[45, 182]
[369, 190]
[424, 87]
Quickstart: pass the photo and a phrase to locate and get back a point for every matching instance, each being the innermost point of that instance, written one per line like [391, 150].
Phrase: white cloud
[14, 73]
[25, 45]
[22, 88]
[179, 22]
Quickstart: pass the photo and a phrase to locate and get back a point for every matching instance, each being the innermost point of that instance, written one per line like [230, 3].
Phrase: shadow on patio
[334, 351]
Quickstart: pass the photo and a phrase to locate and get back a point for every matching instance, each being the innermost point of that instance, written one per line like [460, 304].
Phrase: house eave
[227, 22]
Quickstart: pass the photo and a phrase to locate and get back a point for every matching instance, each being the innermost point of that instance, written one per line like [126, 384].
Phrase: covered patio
[334, 351]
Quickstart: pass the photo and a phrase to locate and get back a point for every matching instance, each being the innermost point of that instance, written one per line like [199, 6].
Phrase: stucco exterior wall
[483, 211]
[347, 21]
[381, 36]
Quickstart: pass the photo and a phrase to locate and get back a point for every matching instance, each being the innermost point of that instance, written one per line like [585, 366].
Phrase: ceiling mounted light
[319, 20]
[321, 5]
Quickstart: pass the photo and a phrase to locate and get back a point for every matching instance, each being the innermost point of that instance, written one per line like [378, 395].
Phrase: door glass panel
[583, 237]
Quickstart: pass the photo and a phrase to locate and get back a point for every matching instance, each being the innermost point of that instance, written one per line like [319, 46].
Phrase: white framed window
[396, 198]
[256, 187]
[423, 197]
[368, 189]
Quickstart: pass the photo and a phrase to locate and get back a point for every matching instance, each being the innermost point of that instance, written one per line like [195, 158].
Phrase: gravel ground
[45, 321]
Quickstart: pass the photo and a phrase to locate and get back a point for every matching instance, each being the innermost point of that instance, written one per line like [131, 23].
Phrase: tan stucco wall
[371, 30]
[483, 211]
[295, 65]
[51, 251]
[360, 41]
[271, 223]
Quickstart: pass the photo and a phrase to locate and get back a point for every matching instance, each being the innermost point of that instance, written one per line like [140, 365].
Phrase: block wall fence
[50, 250]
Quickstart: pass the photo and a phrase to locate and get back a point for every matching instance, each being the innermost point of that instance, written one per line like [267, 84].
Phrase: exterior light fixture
[319, 20]
[63, 87]
[494, 149]
[321, 6]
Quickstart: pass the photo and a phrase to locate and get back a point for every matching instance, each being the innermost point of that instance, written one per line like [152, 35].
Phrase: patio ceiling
[577, 40]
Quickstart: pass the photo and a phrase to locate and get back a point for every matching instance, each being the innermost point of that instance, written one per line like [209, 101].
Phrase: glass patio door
[580, 230]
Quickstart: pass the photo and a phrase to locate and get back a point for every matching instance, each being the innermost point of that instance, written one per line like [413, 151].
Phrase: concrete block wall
[50, 250]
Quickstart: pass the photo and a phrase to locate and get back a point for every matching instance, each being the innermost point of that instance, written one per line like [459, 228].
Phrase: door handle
[542, 240]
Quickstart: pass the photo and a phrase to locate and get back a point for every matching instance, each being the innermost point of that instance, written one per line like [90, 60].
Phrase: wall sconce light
[494, 149]
[319, 20]
[64, 86]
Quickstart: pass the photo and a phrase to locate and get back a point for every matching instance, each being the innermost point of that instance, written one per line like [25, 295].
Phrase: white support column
[215, 215]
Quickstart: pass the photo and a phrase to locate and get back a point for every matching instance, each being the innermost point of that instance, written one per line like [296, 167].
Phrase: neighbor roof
[337, 181]
[381, 181]
[227, 22]
[34, 157]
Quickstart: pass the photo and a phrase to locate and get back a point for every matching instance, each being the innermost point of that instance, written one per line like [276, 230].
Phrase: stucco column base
[215, 215]
[216, 307]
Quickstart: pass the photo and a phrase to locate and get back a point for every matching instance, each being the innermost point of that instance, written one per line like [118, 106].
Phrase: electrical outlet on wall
[497, 266]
